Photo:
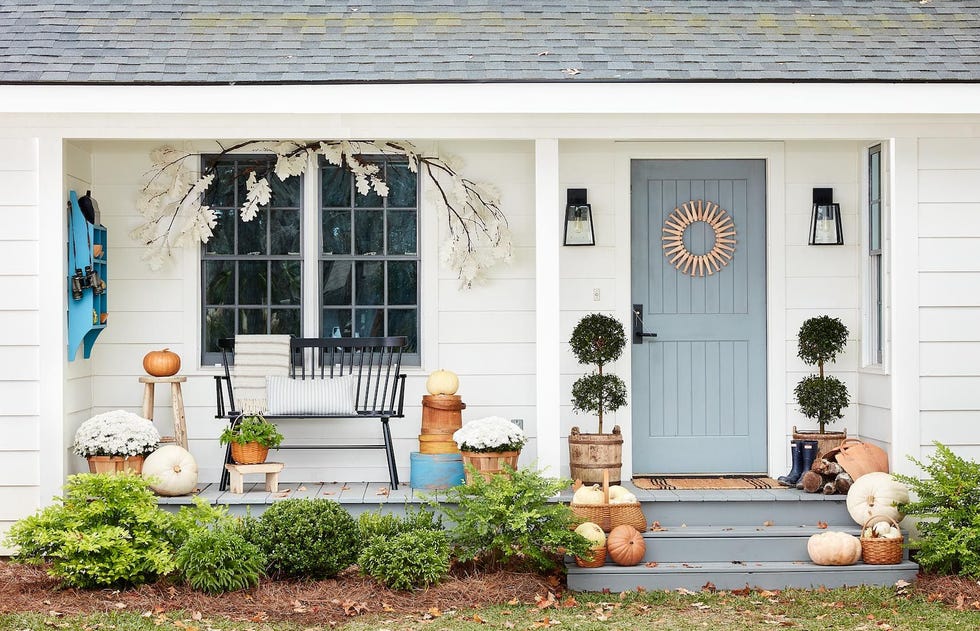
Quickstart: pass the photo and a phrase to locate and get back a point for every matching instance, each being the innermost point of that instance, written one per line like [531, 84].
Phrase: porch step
[780, 507]
[711, 544]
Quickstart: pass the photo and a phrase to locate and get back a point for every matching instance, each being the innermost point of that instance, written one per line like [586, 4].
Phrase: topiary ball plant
[220, 560]
[598, 339]
[313, 538]
[821, 397]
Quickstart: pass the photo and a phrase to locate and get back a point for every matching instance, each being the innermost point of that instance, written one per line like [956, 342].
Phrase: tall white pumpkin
[876, 494]
[170, 470]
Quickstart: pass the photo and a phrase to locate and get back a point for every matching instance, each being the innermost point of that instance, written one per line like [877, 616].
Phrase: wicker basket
[878, 550]
[249, 453]
[607, 515]
[489, 463]
[597, 559]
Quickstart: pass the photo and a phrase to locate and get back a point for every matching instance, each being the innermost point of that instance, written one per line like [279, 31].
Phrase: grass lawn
[871, 609]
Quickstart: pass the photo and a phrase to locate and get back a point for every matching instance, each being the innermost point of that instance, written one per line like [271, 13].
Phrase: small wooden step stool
[239, 471]
[176, 401]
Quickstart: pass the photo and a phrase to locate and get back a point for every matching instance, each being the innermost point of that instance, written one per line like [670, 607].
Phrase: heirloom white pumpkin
[619, 495]
[834, 548]
[876, 494]
[442, 382]
[589, 495]
[593, 533]
[171, 470]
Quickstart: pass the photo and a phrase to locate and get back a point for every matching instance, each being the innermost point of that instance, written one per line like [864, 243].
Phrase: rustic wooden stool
[177, 402]
[239, 471]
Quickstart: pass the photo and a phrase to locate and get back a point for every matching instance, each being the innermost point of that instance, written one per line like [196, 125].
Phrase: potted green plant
[597, 339]
[251, 438]
[821, 397]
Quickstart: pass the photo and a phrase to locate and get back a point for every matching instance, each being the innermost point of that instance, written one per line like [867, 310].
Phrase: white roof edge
[499, 98]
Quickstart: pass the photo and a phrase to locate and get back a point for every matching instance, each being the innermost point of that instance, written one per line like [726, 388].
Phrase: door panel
[699, 387]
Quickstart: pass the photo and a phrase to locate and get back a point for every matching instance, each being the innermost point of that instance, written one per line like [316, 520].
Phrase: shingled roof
[361, 41]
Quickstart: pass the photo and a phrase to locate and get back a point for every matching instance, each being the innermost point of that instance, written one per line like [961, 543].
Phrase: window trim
[874, 261]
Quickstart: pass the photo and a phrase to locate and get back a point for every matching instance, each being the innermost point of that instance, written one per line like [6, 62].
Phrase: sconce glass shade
[578, 225]
[825, 223]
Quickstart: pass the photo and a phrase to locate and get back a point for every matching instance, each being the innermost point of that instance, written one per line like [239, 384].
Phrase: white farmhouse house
[749, 105]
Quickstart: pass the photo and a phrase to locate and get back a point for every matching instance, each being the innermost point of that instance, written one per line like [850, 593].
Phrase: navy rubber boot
[808, 453]
[791, 478]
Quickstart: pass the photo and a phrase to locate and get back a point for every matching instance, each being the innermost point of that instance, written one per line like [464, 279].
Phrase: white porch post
[904, 221]
[548, 218]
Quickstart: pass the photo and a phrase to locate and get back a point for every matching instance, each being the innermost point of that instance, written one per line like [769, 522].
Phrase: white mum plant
[116, 433]
[490, 434]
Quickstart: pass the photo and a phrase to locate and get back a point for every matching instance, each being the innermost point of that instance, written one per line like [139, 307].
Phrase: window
[369, 255]
[875, 341]
[251, 272]
[368, 258]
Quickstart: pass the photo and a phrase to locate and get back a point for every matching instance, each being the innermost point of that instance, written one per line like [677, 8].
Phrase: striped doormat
[706, 483]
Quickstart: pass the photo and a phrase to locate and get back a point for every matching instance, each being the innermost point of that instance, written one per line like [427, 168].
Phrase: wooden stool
[239, 471]
[176, 400]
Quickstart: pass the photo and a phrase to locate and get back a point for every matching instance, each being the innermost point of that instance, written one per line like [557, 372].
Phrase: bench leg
[390, 452]
[223, 483]
[237, 482]
[272, 482]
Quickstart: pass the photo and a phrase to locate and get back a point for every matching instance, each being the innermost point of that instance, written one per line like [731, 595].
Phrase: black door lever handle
[638, 332]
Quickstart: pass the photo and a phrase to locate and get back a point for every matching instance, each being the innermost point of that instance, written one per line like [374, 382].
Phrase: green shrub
[377, 524]
[409, 560]
[313, 538]
[948, 501]
[199, 517]
[105, 530]
[510, 521]
[219, 560]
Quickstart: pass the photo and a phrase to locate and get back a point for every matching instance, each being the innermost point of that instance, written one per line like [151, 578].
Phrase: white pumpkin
[589, 495]
[876, 494]
[834, 548]
[619, 495]
[593, 533]
[170, 470]
[442, 382]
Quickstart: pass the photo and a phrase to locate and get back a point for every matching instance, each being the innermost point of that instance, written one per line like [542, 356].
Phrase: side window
[875, 343]
[251, 272]
[369, 255]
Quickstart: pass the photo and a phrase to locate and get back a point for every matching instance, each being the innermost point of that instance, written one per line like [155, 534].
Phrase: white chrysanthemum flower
[116, 433]
[493, 433]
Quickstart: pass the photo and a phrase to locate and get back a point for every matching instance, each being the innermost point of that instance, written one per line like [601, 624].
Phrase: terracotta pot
[591, 454]
[249, 453]
[115, 464]
[489, 463]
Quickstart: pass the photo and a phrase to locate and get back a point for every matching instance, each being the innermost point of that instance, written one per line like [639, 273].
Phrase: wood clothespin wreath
[680, 220]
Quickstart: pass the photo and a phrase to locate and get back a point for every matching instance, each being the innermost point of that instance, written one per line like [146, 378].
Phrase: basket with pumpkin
[608, 506]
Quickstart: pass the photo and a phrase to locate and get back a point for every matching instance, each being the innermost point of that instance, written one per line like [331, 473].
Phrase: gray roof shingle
[360, 41]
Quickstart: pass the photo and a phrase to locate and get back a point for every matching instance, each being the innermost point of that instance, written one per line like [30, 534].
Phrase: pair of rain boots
[804, 452]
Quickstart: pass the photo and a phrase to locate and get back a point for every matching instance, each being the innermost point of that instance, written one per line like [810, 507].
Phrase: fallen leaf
[383, 491]
[960, 600]
[260, 617]
[542, 54]
[513, 601]
[119, 605]
[434, 612]
[765, 593]
[571, 72]
[477, 619]
[822, 525]
[769, 522]
[544, 623]
[302, 488]
[709, 587]
[329, 493]
[656, 527]
[700, 606]
[543, 602]
[685, 592]
[651, 564]
[345, 488]
[197, 616]
[569, 602]
[741, 592]
[508, 625]
[386, 607]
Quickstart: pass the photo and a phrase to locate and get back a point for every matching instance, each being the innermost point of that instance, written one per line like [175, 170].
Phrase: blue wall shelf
[87, 315]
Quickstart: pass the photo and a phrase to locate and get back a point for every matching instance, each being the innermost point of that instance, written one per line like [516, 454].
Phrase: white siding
[949, 285]
[20, 338]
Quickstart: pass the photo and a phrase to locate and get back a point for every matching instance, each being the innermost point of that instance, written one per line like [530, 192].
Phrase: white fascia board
[500, 98]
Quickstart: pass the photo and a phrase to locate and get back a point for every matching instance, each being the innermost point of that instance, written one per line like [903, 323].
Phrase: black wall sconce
[825, 224]
[578, 218]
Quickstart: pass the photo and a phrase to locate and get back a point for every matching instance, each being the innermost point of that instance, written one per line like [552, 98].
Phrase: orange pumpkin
[161, 363]
[625, 545]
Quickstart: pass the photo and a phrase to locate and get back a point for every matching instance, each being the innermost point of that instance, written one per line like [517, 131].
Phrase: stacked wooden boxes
[438, 464]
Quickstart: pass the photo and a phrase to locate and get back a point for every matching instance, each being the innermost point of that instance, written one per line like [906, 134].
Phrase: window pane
[335, 186]
[222, 189]
[218, 323]
[369, 281]
[335, 282]
[223, 238]
[252, 321]
[405, 322]
[336, 232]
[875, 179]
[219, 282]
[285, 322]
[285, 232]
[286, 282]
[402, 282]
[251, 234]
[284, 194]
[402, 186]
[369, 232]
[874, 217]
[252, 282]
[401, 232]
[369, 323]
[336, 323]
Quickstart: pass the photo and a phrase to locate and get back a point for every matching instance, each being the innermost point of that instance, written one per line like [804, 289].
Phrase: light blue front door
[699, 387]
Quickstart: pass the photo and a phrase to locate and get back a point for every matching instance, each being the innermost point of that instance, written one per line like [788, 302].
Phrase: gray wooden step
[732, 543]
[728, 576]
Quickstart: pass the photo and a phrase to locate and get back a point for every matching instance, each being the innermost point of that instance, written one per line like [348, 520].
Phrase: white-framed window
[875, 342]
[368, 259]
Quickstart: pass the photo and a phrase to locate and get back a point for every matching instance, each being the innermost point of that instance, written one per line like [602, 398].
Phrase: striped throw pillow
[310, 396]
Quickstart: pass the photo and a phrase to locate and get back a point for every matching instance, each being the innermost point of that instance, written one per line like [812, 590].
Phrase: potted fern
[597, 339]
[251, 437]
[821, 397]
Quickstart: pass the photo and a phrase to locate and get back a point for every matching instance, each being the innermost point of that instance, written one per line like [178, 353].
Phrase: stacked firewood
[827, 477]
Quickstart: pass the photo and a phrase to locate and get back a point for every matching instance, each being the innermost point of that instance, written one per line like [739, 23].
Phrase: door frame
[774, 155]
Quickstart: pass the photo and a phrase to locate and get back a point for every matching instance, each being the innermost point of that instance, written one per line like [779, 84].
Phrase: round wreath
[680, 220]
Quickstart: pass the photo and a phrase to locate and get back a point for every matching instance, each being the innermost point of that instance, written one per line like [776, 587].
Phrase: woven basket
[249, 453]
[597, 559]
[607, 515]
[878, 550]
[489, 463]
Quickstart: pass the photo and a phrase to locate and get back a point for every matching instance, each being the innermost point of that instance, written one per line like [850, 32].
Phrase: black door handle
[638, 332]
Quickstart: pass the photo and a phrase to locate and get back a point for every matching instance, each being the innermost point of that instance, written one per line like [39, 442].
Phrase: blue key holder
[87, 285]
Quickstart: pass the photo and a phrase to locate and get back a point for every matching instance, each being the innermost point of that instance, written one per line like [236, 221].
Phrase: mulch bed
[26, 588]
[961, 593]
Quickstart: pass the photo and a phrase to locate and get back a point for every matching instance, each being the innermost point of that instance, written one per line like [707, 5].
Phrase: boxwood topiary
[377, 524]
[312, 538]
[219, 560]
[409, 560]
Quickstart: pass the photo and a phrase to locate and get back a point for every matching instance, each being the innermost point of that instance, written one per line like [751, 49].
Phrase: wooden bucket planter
[490, 463]
[591, 454]
[437, 444]
[115, 464]
[825, 441]
[442, 413]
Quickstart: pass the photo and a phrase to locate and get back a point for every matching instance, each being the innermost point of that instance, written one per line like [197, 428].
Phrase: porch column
[904, 309]
[548, 218]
